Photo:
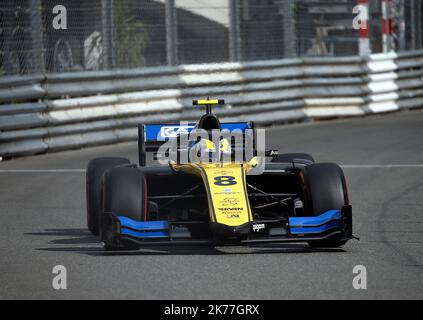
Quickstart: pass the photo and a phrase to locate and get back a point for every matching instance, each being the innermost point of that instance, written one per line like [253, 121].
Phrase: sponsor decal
[228, 193]
[231, 213]
[224, 173]
[174, 131]
[177, 228]
[230, 209]
[274, 152]
[259, 226]
[229, 202]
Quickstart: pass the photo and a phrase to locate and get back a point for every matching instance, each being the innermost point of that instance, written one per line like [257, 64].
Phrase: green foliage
[131, 37]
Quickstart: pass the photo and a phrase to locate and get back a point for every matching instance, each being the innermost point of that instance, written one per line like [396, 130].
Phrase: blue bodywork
[139, 229]
[309, 225]
[329, 220]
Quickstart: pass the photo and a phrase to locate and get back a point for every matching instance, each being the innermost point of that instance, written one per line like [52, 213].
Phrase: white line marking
[346, 166]
[386, 166]
[43, 171]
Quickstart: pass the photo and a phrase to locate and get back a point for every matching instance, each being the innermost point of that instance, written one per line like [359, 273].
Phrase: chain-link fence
[76, 35]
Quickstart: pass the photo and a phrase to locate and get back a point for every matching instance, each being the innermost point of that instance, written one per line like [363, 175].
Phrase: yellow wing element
[207, 102]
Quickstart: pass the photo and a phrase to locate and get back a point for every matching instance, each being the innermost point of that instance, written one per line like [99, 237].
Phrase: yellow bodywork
[225, 184]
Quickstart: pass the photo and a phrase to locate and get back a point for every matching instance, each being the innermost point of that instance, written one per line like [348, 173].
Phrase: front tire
[124, 194]
[324, 189]
[95, 171]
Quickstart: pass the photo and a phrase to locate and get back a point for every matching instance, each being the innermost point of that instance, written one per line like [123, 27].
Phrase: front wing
[298, 229]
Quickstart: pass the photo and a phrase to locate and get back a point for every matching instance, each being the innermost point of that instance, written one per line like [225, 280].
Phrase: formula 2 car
[212, 196]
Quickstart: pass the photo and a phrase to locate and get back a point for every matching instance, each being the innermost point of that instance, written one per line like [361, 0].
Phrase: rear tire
[324, 189]
[124, 194]
[289, 157]
[95, 171]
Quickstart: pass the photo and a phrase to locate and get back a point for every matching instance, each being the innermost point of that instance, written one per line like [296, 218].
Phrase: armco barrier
[64, 111]
[21, 88]
[410, 79]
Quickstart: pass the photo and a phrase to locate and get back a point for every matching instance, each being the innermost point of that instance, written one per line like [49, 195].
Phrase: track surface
[42, 224]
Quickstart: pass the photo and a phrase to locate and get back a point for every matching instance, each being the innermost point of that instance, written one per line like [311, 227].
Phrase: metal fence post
[107, 32]
[419, 25]
[413, 25]
[289, 31]
[171, 33]
[415, 29]
[36, 34]
[399, 22]
[234, 31]
[7, 66]
[398, 42]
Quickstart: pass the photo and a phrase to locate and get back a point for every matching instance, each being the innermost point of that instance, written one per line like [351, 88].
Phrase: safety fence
[43, 113]
[78, 35]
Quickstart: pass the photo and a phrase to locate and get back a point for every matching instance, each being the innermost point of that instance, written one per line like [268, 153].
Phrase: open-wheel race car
[197, 184]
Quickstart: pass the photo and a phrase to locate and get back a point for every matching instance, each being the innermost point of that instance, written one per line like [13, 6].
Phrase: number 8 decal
[224, 181]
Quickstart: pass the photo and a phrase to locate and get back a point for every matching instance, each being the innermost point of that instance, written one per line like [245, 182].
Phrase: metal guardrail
[73, 110]
[21, 88]
[410, 79]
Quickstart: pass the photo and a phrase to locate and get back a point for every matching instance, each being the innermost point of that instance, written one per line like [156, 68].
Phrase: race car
[191, 187]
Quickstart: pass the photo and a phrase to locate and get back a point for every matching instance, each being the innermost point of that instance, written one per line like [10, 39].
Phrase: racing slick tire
[289, 157]
[95, 171]
[324, 189]
[124, 193]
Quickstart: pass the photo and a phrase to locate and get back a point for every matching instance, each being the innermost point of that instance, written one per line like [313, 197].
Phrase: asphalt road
[42, 224]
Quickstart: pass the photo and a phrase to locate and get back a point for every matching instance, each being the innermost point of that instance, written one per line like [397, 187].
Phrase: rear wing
[152, 136]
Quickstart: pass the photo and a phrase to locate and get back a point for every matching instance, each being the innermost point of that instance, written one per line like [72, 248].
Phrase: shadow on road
[89, 245]
[78, 236]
